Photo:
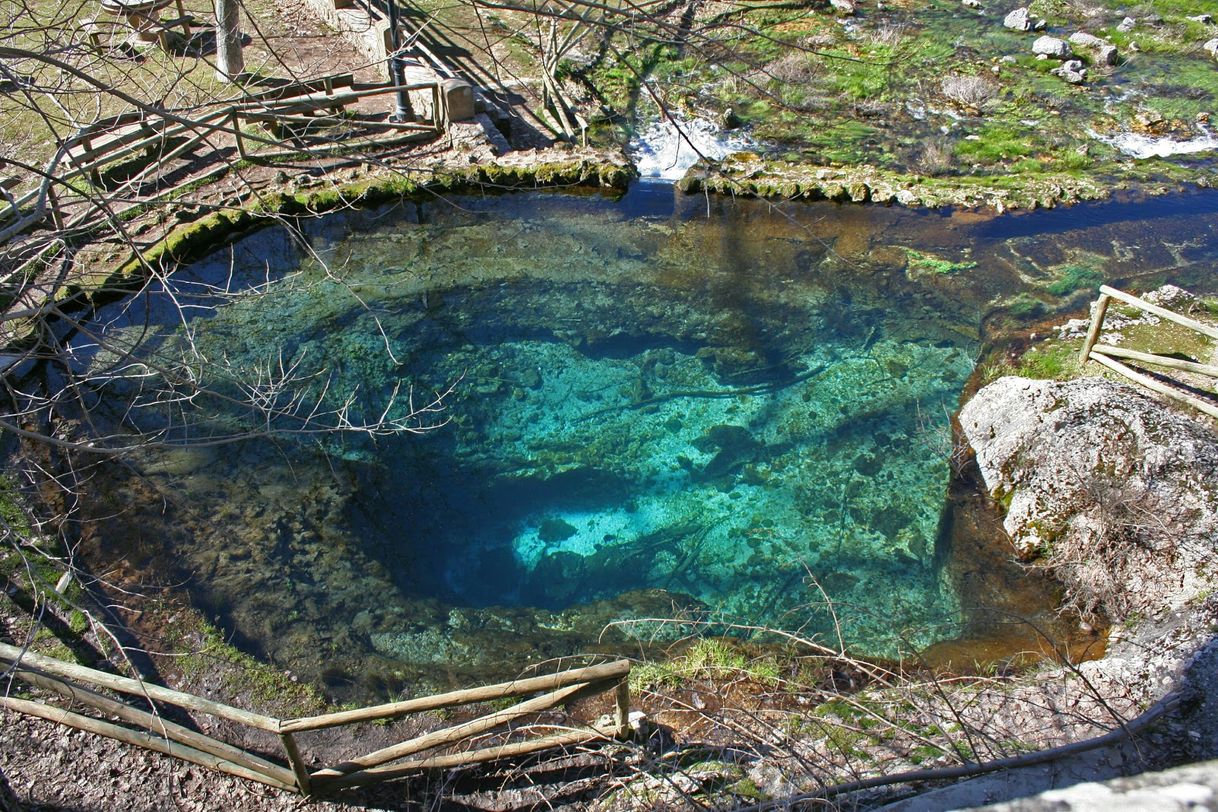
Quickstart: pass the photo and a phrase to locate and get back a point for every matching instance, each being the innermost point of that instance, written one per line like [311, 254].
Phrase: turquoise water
[655, 419]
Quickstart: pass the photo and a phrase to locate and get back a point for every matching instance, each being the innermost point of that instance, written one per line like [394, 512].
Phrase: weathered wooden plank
[451, 735]
[154, 724]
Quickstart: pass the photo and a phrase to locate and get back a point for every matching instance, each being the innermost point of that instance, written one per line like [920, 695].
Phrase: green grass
[705, 659]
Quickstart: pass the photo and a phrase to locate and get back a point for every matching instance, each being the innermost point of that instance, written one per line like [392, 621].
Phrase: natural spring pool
[666, 412]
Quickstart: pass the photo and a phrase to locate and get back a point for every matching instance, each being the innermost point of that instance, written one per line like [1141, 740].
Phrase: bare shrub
[1125, 538]
[973, 92]
[890, 34]
[937, 157]
[794, 67]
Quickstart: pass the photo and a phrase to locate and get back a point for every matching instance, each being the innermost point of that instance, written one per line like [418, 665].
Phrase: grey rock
[846, 7]
[1194, 786]
[1211, 48]
[973, 4]
[1204, 19]
[1018, 20]
[1079, 462]
[1126, 25]
[1085, 40]
[1073, 77]
[1051, 47]
[1107, 55]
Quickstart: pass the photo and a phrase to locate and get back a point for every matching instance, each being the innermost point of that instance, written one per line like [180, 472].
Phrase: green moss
[1073, 278]
[924, 263]
[244, 676]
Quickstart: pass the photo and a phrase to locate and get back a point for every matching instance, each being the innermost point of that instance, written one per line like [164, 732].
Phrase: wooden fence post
[621, 708]
[297, 763]
[1093, 332]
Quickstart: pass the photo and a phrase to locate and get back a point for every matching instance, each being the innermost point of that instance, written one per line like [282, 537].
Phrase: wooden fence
[295, 772]
[110, 141]
[1107, 355]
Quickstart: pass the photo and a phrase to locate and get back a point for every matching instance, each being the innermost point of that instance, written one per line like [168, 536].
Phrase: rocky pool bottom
[663, 424]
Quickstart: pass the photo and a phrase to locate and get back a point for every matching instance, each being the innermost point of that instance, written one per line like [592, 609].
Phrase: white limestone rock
[1051, 47]
[1114, 490]
[1018, 20]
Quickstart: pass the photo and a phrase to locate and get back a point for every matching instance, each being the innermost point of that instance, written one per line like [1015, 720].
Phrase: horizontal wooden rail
[125, 685]
[451, 735]
[145, 740]
[595, 673]
[1155, 386]
[592, 733]
[154, 724]
[1157, 360]
[1161, 312]
[114, 138]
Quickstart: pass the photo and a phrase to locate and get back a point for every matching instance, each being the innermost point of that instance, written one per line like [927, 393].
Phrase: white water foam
[668, 148]
[1136, 145]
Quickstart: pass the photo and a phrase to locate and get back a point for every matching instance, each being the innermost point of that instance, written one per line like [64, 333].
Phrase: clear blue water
[664, 411]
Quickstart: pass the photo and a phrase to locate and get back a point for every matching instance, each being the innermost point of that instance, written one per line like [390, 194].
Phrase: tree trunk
[229, 62]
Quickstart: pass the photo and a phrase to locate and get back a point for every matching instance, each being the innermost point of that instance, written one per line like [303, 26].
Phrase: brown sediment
[1010, 608]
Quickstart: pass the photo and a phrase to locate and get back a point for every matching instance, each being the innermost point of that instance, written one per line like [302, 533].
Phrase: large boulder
[1018, 20]
[1112, 490]
[1051, 47]
[1211, 48]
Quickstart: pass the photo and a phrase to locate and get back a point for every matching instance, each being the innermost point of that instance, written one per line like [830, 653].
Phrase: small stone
[845, 7]
[975, 4]
[1107, 55]
[1204, 19]
[1211, 48]
[1018, 20]
[1126, 25]
[1051, 47]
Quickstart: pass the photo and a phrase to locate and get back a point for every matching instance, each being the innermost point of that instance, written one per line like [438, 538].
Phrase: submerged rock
[1109, 488]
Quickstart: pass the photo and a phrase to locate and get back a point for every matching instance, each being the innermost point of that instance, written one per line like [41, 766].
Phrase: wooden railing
[112, 140]
[1107, 354]
[295, 773]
